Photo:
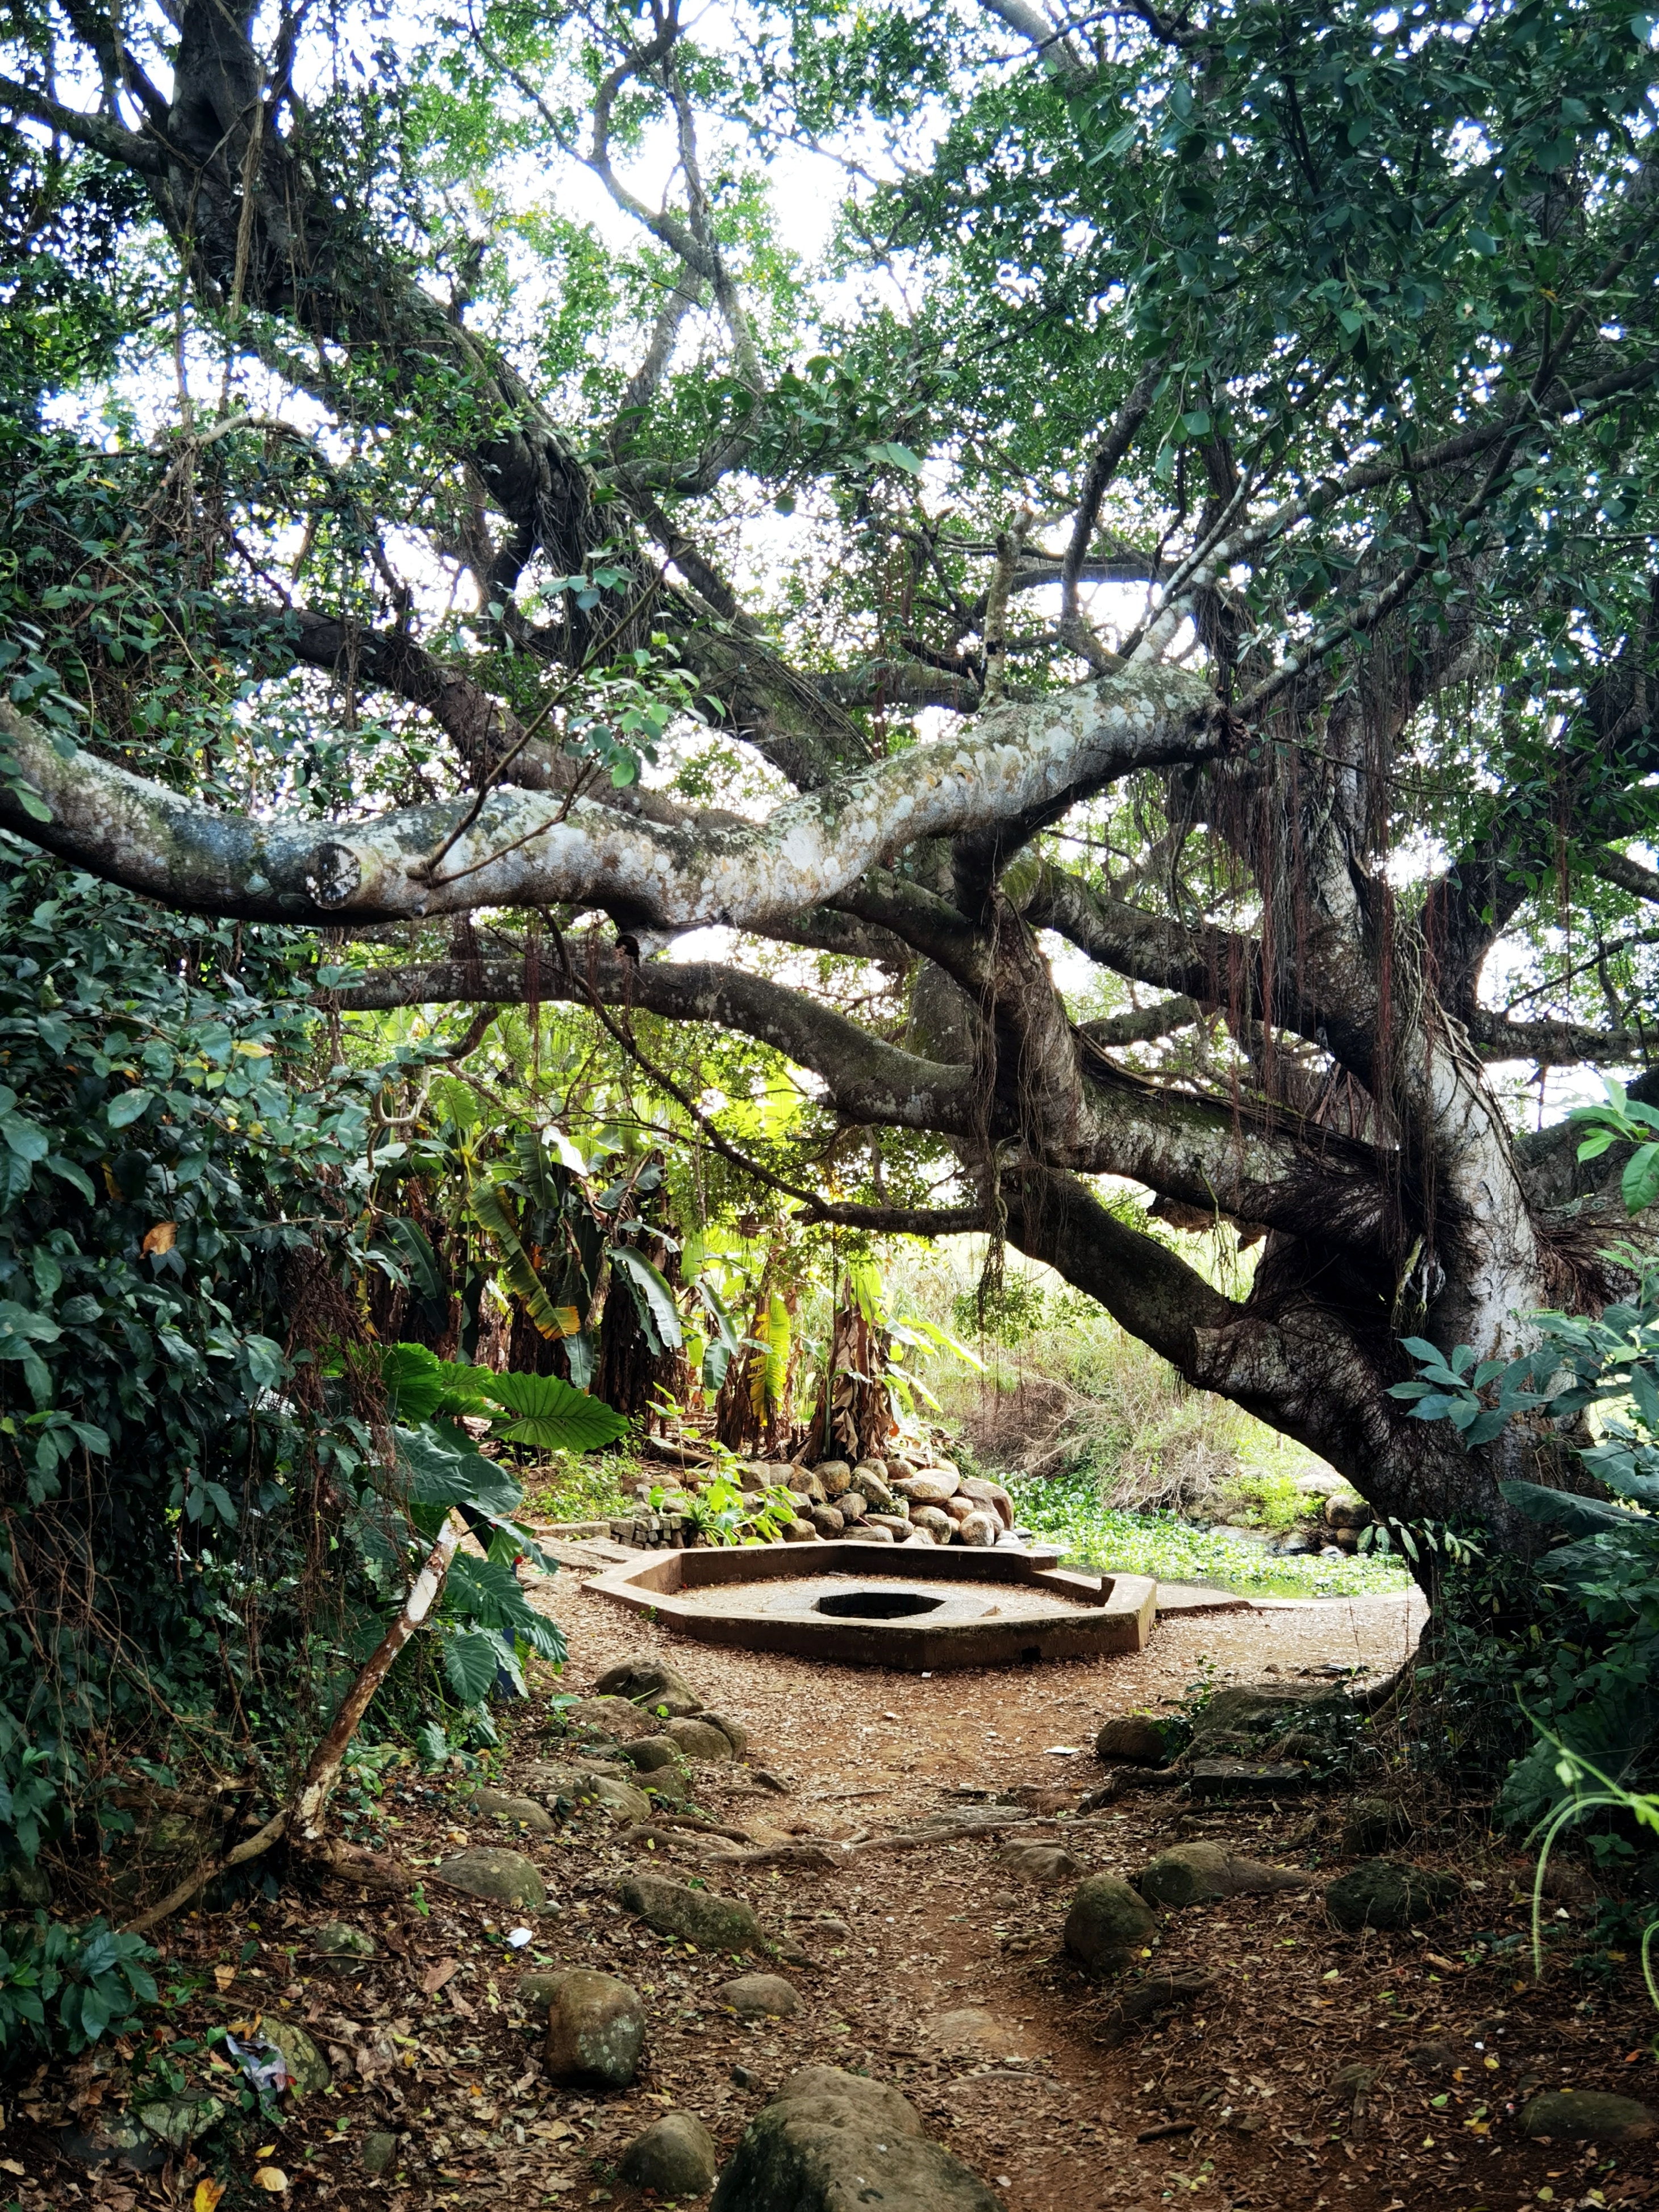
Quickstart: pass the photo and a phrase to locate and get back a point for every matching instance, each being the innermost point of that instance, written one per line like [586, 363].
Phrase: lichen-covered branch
[530, 849]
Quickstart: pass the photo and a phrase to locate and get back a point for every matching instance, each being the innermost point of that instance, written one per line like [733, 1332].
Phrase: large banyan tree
[1122, 547]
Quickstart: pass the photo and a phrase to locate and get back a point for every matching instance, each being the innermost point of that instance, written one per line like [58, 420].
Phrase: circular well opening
[877, 1605]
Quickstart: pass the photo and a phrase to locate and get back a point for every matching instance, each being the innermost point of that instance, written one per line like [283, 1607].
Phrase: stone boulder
[991, 1494]
[28, 1886]
[734, 1731]
[304, 2065]
[1133, 1737]
[517, 1812]
[797, 1531]
[978, 1530]
[603, 1721]
[873, 1532]
[1193, 1873]
[1244, 1716]
[1589, 2116]
[872, 1482]
[675, 2156]
[852, 1505]
[827, 1520]
[499, 1877]
[1247, 1778]
[1108, 1924]
[1381, 1893]
[930, 1489]
[343, 1948]
[619, 1800]
[702, 1917]
[1048, 1865]
[378, 2152]
[698, 1738]
[939, 1526]
[651, 1753]
[1346, 1509]
[651, 1683]
[835, 1475]
[761, 1996]
[179, 2121]
[595, 2030]
[558, 1777]
[828, 2142]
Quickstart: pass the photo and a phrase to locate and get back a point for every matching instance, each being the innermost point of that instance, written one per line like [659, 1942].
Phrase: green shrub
[63, 1987]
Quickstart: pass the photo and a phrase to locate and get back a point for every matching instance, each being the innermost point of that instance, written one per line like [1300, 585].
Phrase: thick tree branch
[867, 1080]
[1630, 875]
[525, 848]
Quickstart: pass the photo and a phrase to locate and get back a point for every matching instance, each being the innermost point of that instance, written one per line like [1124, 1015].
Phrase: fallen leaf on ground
[224, 1977]
[207, 2195]
[270, 2177]
[435, 1977]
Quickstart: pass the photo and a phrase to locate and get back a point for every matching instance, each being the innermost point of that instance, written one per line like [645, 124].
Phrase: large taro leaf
[483, 1590]
[418, 1384]
[546, 1414]
[471, 1662]
[439, 1474]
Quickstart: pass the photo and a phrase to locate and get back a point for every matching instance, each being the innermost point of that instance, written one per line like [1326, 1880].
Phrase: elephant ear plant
[481, 1615]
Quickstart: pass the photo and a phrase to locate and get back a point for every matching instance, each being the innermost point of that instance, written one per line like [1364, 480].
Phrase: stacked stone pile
[915, 1497]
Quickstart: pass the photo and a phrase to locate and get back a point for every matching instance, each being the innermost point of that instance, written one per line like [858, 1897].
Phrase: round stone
[515, 1811]
[761, 1996]
[979, 1530]
[304, 2065]
[1589, 2116]
[699, 1739]
[341, 1945]
[501, 1877]
[675, 2156]
[1131, 1737]
[595, 2030]
[932, 1488]
[1108, 1924]
[652, 1683]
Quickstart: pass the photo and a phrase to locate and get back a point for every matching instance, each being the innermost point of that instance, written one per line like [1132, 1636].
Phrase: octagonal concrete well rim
[1104, 1615]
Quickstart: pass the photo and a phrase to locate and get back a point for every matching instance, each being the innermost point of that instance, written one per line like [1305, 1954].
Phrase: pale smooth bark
[534, 849]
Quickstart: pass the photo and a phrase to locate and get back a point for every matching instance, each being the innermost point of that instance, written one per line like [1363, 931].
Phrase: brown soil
[932, 1967]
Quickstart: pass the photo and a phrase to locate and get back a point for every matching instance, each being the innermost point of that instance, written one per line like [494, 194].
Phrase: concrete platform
[912, 1606]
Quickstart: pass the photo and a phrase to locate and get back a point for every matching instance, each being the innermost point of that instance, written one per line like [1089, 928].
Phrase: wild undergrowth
[572, 1488]
[1069, 1509]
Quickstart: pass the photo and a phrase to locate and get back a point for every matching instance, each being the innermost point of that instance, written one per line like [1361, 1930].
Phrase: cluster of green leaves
[1600, 1690]
[63, 1987]
[486, 1623]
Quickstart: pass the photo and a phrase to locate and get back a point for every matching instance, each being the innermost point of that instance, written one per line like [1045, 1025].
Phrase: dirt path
[936, 1969]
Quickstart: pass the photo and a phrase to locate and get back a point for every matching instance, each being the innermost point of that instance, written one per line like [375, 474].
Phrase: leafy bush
[1069, 1509]
[64, 1987]
[1594, 1685]
[175, 1174]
